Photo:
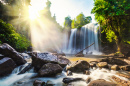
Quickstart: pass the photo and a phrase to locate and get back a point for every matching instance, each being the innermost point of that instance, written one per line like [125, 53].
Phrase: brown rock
[101, 82]
[124, 75]
[8, 51]
[127, 61]
[120, 81]
[87, 72]
[50, 69]
[102, 65]
[7, 65]
[115, 67]
[88, 80]
[125, 68]
[78, 66]
[69, 80]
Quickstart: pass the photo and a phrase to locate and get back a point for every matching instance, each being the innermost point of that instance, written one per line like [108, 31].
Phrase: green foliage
[113, 17]
[80, 20]
[67, 23]
[9, 35]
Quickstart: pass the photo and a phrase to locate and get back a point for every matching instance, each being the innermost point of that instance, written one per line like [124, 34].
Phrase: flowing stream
[28, 78]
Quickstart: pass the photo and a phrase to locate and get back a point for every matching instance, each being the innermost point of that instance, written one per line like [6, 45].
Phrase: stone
[62, 61]
[80, 55]
[69, 80]
[10, 52]
[50, 69]
[120, 81]
[27, 68]
[7, 65]
[88, 80]
[69, 73]
[127, 61]
[113, 61]
[87, 72]
[124, 75]
[125, 68]
[38, 83]
[78, 66]
[115, 67]
[102, 65]
[93, 64]
[49, 83]
[101, 82]
[39, 59]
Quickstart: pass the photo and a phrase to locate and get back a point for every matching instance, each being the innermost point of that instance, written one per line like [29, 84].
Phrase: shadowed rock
[78, 66]
[69, 80]
[7, 65]
[8, 51]
[50, 69]
[39, 59]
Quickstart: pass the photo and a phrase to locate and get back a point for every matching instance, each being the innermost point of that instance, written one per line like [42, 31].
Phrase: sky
[64, 8]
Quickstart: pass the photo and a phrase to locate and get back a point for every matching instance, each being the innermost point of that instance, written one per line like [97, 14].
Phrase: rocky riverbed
[52, 69]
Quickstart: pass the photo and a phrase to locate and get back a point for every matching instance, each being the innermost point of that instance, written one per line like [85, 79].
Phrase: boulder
[115, 67]
[8, 51]
[7, 65]
[69, 73]
[113, 61]
[69, 80]
[127, 61]
[39, 59]
[102, 65]
[101, 82]
[50, 69]
[62, 61]
[125, 68]
[38, 83]
[78, 66]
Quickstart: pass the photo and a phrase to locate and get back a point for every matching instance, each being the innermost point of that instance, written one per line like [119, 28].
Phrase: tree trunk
[118, 41]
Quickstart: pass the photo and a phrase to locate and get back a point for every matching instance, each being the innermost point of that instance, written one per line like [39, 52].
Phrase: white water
[79, 40]
[25, 79]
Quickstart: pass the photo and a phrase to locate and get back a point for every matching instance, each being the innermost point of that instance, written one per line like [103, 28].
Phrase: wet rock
[69, 73]
[69, 80]
[78, 66]
[113, 61]
[38, 83]
[27, 68]
[125, 68]
[87, 72]
[49, 83]
[93, 64]
[39, 59]
[88, 80]
[80, 55]
[102, 65]
[115, 67]
[62, 61]
[50, 69]
[128, 58]
[127, 61]
[8, 51]
[120, 81]
[124, 75]
[7, 65]
[101, 82]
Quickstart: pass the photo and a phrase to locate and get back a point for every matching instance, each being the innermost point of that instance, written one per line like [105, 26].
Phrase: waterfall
[81, 38]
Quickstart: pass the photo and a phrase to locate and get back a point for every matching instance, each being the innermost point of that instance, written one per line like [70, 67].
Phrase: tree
[80, 20]
[113, 16]
[67, 23]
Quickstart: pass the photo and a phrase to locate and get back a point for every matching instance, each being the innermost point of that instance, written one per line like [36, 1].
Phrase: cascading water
[80, 39]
